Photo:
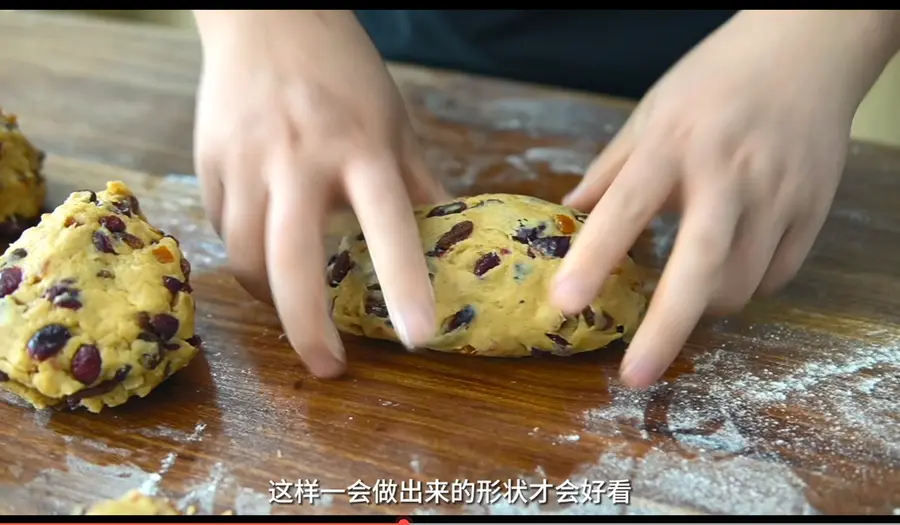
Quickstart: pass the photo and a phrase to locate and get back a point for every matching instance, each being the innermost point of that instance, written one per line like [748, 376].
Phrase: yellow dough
[133, 503]
[491, 258]
[95, 305]
[22, 186]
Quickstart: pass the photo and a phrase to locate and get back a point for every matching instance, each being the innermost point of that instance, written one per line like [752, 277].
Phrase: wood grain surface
[791, 407]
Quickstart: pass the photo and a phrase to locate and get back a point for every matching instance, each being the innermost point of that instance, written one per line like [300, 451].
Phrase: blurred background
[878, 119]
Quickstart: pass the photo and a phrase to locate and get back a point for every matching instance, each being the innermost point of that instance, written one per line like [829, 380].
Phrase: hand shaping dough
[491, 258]
[95, 305]
[133, 503]
[22, 187]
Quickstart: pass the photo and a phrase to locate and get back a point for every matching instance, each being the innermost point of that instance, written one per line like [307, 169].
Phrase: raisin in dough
[491, 258]
[95, 305]
[22, 186]
[134, 503]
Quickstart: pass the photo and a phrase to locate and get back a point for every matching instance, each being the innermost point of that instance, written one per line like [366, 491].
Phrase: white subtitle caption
[479, 492]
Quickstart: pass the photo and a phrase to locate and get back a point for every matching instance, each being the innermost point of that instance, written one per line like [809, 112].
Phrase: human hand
[296, 111]
[747, 135]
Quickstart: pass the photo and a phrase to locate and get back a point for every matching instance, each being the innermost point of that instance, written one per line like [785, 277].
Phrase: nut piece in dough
[22, 186]
[133, 503]
[95, 305]
[491, 258]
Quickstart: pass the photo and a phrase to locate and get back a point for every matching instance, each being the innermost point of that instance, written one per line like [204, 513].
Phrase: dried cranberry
[150, 337]
[172, 284]
[558, 340]
[103, 243]
[103, 388]
[486, 262]
[135, 204]
[164, 325]
[588, 315]
[92, 197]
[18, 253]
[48, 341]
[3, 376]
[134, 242]
[341, 267]
[447, 209]
[170, 347]
[113, 223]
[124, 207]
[458, 233]
[488, 201]
[460, 319]
[194, 340]
[10, 279]
[185, 266]
[151, 361]
[87, 364]
[64, 295]
[526, 235]
[374, 305]
[556, 246]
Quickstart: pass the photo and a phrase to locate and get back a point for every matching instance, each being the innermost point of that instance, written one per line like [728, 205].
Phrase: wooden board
[790, 408]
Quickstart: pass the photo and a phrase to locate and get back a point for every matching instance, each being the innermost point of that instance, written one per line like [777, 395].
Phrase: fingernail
[638, 373]
[566, 201]
[414, 326]
[335, 345]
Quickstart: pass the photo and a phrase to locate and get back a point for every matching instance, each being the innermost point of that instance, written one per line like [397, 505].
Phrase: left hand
[748, 136]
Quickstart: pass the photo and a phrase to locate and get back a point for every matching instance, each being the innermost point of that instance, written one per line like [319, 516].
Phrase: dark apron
[615, 52]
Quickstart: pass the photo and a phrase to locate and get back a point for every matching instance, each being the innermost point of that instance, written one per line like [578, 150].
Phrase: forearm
[216, 25]
[855, 45]
[280, 35]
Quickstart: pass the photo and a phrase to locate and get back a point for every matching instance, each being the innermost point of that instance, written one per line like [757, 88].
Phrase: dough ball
[95, 305]
[491, 258]
[133, 503]
[22, 186]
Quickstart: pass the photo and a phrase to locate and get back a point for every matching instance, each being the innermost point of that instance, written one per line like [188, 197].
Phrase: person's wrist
[276, 33]
[847, 50]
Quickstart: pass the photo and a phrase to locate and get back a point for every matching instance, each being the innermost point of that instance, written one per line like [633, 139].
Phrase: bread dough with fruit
[22, 185]
[491, 259]
[95, 305]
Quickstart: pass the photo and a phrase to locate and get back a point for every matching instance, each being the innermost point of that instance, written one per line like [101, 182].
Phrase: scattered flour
[723, 415]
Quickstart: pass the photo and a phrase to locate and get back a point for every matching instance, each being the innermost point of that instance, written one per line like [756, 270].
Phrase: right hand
[295, 111]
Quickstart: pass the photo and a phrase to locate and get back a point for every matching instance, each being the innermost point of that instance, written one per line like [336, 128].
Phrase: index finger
[614, 225]
[684, 290]
[295, 259]
[379, 197]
